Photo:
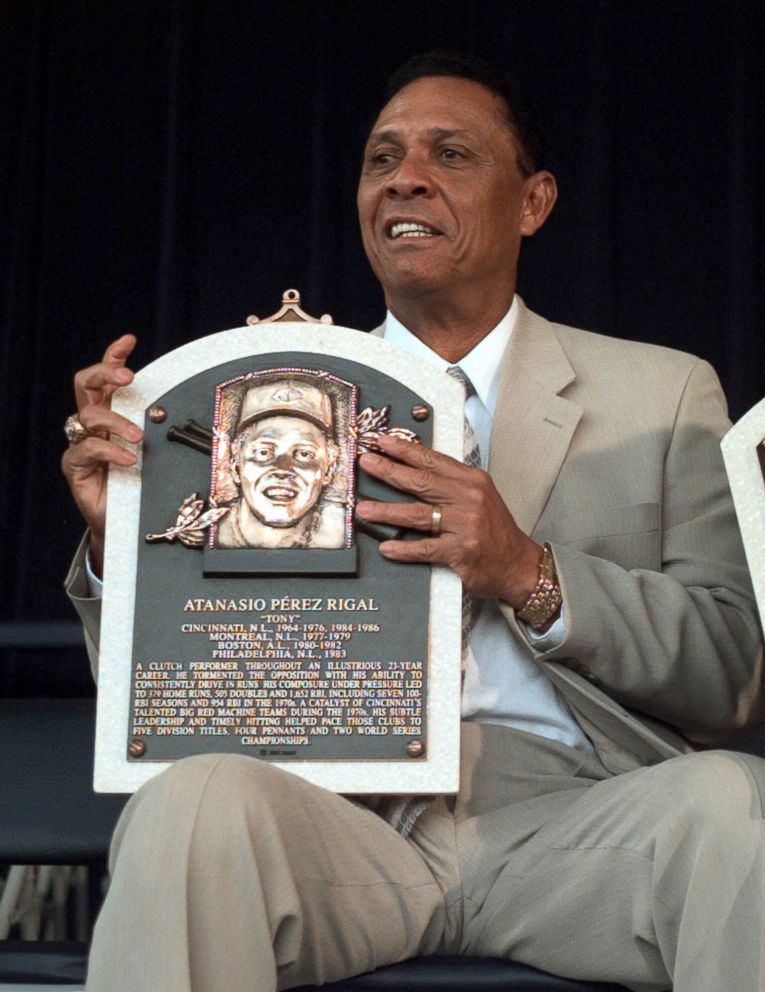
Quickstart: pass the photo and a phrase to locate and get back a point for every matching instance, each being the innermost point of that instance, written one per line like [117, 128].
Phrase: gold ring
[435, 521]
[75, 432]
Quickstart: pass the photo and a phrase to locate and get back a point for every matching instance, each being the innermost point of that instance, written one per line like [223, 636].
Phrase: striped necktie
[472, 450]
[472, 457]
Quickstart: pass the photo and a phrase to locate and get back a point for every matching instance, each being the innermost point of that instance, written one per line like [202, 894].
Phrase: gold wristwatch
[545, 599]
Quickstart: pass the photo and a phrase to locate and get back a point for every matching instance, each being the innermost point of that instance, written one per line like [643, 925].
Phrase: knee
[717, 792]
[230, 778]
[202, 788]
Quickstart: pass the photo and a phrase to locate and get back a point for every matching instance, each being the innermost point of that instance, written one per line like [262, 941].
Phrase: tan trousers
[232, 876]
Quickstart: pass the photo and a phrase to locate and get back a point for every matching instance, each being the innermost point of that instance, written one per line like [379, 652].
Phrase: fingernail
[123, 375]
[363, 508]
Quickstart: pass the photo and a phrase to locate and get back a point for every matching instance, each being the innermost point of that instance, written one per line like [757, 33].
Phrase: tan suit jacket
[609, 449]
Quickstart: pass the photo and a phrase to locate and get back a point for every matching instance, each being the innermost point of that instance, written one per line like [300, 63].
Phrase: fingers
[120, 350]
[433, 550]
[95, 384]
[92, 455]
[102, 420]
[478, 538]
[413, 516]
[426, 474]
[420, 456]
[438, 549]
[84, 466]
[444, 548]
[437, 480]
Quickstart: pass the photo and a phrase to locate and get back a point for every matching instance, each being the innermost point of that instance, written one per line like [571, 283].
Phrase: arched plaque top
[290, 311]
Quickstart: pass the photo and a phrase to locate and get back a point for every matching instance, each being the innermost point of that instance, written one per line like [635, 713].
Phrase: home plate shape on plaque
[245, 609]
[743, 449]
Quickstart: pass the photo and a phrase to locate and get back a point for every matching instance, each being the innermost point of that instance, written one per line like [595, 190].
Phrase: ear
[333, 452]
[541, 194]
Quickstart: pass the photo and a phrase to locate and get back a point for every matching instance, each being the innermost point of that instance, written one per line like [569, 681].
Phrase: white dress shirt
[502, 683]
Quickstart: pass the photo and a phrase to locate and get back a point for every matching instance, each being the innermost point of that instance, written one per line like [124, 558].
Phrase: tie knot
[456, 373]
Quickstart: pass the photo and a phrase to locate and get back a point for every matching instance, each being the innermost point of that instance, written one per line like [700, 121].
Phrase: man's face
[283, 463]
[442, 202]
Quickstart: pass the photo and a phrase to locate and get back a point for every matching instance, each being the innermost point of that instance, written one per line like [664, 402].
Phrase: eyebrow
[268, 436]
[391, 134]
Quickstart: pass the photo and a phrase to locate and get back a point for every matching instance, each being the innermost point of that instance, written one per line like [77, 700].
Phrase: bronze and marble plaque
[245, 609]
[743, 449]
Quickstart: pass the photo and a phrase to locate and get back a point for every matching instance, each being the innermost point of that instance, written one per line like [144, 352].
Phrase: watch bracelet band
[545, 598]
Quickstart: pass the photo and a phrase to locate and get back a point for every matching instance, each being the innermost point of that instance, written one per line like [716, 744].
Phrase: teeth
[277, 492]
[407, 229]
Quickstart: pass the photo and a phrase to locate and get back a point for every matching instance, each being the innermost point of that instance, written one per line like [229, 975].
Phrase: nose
[411, 179]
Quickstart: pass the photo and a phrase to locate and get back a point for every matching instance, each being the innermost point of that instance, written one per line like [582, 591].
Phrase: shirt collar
[481, 365]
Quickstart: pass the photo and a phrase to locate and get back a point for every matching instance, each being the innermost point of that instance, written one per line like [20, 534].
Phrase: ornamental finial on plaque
[290, 310]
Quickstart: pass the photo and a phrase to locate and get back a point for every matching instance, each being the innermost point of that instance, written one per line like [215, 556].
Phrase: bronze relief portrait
[283, 460]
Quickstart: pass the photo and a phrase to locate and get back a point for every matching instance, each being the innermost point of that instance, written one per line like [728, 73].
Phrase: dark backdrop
[170, 167]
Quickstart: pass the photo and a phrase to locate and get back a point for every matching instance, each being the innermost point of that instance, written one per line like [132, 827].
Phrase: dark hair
[520, 116]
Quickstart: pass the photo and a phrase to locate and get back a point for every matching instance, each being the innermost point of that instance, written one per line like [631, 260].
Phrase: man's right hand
[85, 465]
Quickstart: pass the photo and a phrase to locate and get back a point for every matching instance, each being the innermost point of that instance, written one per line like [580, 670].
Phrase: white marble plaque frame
[747, 485]
[438, 770]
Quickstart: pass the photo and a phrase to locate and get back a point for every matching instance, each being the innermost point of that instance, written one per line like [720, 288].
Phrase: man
[282, 459]
[572, 845]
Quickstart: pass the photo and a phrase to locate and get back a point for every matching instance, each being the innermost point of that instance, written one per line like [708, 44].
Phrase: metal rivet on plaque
[415, 749]
[136, 749]
[157, 414]
[420, 412]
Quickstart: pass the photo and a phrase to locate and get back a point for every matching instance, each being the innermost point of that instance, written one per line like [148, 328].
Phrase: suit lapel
[533, 425]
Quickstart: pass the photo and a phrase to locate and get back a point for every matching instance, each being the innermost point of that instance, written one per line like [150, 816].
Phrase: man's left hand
[478, 537]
